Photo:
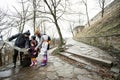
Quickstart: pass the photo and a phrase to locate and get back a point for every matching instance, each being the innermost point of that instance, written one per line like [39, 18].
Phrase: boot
[32, 63]
[35, 62]
[44, 62]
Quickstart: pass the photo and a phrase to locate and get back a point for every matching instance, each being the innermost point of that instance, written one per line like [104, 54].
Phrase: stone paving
[56, 69]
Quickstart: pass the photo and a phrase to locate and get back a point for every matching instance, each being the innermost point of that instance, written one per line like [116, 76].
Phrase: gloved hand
[34, 53]
[36, 49]
[7, 40]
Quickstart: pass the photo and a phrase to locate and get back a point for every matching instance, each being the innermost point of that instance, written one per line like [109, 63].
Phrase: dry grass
[109, 24]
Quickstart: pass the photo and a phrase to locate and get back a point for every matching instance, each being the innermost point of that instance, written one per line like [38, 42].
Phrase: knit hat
[27, 33]
[33, 37]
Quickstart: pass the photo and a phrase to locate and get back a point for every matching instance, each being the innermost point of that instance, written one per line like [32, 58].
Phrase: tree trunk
[103, 3]
[0, 58]
[102, 12]
[34, 14]
[59, 32]
[87, 14]
[53, 13]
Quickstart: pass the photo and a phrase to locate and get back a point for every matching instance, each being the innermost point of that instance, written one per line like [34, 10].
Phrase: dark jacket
[36, 42]
[32, 51]
[20, 41]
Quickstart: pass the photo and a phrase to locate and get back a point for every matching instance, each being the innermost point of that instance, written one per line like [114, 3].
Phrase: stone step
[107, 63]
[79, 60]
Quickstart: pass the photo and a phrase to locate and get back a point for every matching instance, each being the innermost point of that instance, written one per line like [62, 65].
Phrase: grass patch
[57, 51]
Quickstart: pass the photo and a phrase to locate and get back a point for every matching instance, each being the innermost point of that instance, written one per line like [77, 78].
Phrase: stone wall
[110, 43]
[78, 29]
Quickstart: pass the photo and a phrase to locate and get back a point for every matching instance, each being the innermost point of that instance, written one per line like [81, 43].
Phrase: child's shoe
[43, 64]
[31, 64]
[35, 62]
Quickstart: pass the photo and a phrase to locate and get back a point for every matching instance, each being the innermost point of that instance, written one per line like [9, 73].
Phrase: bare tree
[35, 16]
[21, 16]
[71, 28]
[86, 8]
[102, 6]
[3, 21]
[34, 13]
[43, 27]
[53, 8]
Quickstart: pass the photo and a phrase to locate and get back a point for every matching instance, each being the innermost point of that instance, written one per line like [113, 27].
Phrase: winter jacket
[32, 52]
[20, 41]
[43, 37]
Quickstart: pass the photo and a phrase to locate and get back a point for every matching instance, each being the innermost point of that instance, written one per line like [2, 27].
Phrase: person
[43, 44]
[33, 39]
[33, 53]
[22, 41]
[30, 58]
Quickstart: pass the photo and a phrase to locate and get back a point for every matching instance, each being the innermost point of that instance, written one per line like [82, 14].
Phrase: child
[33, 39]
[43, 44]
[44, 52]
[33, 53]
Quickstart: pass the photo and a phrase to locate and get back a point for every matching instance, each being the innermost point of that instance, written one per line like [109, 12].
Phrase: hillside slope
[103, 32]
[108, 25]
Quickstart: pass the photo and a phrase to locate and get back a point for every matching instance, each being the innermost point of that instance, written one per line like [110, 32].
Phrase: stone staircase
[86, 55]
[86, 62]
[79, 61]
[90, 59]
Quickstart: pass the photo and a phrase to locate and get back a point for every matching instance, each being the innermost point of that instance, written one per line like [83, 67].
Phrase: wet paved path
[55, 70]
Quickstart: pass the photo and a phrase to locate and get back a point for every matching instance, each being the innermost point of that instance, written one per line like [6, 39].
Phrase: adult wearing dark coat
[22, 41]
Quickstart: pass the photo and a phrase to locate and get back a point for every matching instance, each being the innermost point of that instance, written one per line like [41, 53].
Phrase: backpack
[49, 41]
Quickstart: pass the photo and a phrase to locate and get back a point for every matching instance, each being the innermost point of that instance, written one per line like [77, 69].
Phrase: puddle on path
[5, 73]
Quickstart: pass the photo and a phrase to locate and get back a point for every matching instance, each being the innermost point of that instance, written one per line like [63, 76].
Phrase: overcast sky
[93, 9]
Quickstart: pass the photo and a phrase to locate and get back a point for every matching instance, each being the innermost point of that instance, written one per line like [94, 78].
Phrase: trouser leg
[15, 56]
[21, 57]
[46, 58]
[32, 63]
[44, 61]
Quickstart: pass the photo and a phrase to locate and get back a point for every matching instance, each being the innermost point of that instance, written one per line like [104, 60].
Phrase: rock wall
[110, 43]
